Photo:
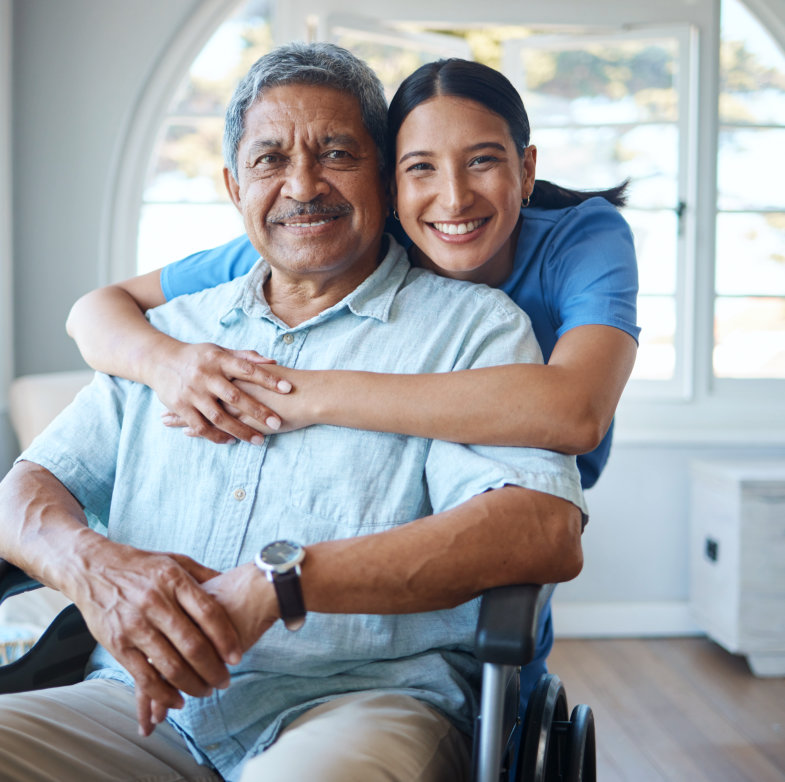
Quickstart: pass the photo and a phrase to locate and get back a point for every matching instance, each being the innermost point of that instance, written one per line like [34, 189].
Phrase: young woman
[465, 193]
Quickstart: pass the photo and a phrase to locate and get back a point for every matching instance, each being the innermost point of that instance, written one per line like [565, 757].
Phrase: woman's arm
[114, 336]
[565, 406]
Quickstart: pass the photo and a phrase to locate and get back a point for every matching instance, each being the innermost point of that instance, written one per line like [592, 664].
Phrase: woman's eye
[484, 160]
[420, 167]
[337, 154]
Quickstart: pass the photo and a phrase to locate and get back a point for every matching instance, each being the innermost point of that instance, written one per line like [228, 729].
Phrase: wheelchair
[548, 745]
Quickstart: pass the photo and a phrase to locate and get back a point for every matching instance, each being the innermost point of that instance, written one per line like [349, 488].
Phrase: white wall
[6, 276]
[80, 67]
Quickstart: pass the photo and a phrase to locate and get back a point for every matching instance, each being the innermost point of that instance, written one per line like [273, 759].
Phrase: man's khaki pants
[88, 733]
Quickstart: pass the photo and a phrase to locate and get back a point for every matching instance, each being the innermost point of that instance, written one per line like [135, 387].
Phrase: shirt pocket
[354, 481]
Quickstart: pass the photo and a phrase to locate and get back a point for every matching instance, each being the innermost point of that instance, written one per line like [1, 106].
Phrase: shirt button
[239, 494]
[288, 338]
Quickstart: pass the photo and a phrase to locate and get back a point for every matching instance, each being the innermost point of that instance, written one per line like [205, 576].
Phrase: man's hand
[150, 612]
[249, 600]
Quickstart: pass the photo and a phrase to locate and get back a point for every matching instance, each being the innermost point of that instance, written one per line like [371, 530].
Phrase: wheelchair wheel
[545, 732]
[581, 754]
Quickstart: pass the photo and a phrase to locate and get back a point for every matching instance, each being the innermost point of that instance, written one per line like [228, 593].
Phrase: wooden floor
[675, 710]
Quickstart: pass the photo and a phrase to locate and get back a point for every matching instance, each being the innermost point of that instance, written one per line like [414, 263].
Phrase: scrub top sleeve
[208, 268]
[592, 272]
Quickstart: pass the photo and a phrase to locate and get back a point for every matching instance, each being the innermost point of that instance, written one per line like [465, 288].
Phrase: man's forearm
[510, 535]
[43, 527]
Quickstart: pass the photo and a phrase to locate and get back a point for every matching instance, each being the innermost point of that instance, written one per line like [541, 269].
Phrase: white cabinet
[737, 559]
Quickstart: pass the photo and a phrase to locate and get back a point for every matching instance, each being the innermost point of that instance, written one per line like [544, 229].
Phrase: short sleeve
[208, 268]
[591, 271]
[455, 472]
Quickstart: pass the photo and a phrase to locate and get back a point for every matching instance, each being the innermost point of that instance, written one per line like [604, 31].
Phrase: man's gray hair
[322, 64]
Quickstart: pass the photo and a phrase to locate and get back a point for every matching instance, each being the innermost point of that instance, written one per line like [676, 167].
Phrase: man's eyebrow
[262, 144]
[342, 139]
[473, 148]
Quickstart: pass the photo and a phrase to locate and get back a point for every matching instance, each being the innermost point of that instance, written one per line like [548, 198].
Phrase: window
[606, 102]
[185, 207]
[749, 307]
[605, 108]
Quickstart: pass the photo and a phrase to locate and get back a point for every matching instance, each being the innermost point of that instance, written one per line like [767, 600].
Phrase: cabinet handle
[712, 550]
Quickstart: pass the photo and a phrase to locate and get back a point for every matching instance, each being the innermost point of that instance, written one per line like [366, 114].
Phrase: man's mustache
[311, 209]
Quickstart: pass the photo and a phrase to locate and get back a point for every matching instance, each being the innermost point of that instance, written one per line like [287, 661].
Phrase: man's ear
[233, 189]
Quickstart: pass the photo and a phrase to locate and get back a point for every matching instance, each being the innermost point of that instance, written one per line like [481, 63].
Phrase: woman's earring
[395, 215]
[526, 201]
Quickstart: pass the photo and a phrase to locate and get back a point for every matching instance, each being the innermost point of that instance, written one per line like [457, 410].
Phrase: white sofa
[34, 400]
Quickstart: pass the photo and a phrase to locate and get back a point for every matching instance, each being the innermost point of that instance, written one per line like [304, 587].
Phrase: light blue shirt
[154, 488]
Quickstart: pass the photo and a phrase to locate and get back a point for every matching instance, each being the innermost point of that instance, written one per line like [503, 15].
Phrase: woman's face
[459, 181]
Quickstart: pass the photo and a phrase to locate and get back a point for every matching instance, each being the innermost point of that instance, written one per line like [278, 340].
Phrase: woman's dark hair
[490, 88]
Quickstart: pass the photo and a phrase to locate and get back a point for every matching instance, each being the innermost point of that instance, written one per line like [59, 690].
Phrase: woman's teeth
[458, 228]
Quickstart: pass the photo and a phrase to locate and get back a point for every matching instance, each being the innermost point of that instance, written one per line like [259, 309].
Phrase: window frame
[702, 408]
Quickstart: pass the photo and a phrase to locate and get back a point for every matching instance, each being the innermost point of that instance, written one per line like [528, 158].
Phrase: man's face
[310, 190]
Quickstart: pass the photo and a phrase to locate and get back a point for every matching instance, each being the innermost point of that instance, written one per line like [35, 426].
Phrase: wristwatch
[280, 560]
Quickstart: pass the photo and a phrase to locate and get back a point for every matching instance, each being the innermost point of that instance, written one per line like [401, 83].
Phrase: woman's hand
[308, 403]
[195, 383]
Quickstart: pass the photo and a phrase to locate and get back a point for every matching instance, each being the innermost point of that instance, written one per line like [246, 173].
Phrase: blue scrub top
[573, 267]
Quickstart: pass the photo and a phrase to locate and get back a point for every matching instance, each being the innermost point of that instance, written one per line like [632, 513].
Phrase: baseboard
[623, 620]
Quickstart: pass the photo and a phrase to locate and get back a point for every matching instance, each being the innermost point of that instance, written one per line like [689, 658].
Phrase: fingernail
[234, 658]
[273, 423]
[257, 440]
[285, 386]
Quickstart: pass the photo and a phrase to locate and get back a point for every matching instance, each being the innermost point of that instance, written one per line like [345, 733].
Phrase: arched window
[606, 101]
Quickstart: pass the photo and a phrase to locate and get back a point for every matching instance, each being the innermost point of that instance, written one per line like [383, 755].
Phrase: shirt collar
[372, 298]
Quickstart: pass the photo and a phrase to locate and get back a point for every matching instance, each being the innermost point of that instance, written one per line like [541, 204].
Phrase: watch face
[280, 553]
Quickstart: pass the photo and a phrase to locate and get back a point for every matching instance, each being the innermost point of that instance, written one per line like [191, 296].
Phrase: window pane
[747, 162]
[599, 83]
[655, 246]
[752, 70]
[168, 232]
[591, 158]
[185, 207]
[189, 163]
[391, 63]
[751, 254]
[749, 338]
[656, 352]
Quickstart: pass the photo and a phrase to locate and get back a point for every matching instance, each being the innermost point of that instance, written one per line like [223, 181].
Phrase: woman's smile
[464, 228]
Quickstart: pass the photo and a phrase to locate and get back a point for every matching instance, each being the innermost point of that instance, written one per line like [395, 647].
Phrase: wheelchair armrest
[507, 626]
[14, 581]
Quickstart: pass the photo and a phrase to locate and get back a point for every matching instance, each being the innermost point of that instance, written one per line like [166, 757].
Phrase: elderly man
[183, 555]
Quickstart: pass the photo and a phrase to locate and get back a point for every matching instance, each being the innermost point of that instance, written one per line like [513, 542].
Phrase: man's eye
[337, 154]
